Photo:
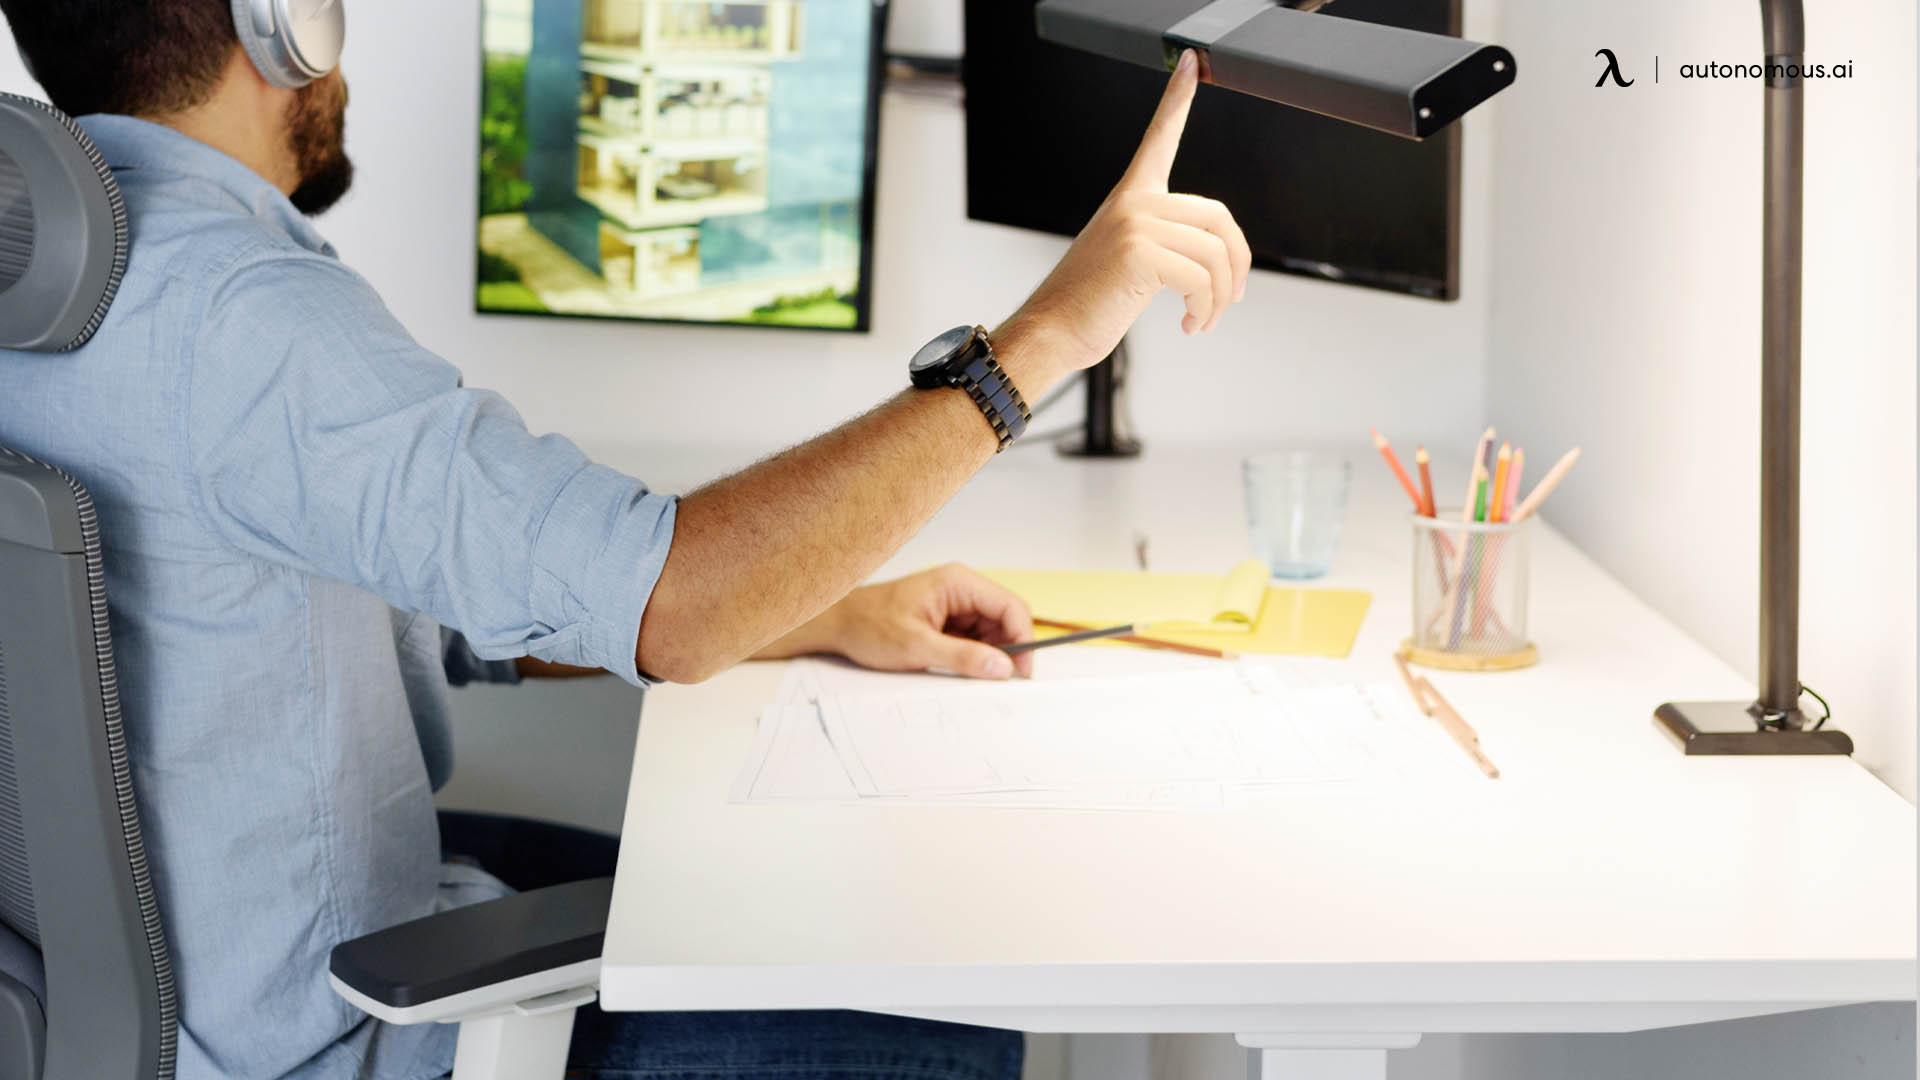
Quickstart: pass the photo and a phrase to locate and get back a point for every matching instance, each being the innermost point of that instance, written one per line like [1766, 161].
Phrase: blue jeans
[822, 1045]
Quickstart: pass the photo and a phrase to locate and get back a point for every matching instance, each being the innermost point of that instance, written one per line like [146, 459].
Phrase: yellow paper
[1235, 613]
[1177, 601]
[1293, 622]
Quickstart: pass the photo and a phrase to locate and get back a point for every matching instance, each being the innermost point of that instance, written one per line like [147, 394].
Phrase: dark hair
[138, 57]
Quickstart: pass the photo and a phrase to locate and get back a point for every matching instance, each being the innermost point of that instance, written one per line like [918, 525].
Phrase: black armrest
[479, 945]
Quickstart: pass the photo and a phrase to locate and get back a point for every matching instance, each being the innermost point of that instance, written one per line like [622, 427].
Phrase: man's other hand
[950, 618]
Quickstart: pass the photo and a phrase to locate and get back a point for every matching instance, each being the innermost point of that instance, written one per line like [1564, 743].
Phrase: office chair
[86, 989]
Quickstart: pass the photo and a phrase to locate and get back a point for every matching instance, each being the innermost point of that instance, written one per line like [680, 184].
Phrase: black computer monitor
[1050, 129]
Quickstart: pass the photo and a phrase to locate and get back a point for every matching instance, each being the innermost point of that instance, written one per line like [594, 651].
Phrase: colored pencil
[1129, 638]
[1466, 514]
[1513, 484]
[1483, 611]
[1393, 462]
[1492, 551]
[1546, 485]
[1426, 482]
[1479, 454]
[1429, 701]
[1498, 501]
[1469, 548]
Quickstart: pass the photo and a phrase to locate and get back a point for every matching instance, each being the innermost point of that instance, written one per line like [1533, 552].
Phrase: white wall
[1297, 361]
[1625, 318]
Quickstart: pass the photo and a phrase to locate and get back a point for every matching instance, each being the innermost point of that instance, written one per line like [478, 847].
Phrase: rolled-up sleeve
[319, 435]
[463, 666]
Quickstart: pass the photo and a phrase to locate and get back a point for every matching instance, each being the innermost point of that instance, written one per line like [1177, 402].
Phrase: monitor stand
[1100, 437]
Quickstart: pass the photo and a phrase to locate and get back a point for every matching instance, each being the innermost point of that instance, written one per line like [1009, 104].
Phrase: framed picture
[669, 160]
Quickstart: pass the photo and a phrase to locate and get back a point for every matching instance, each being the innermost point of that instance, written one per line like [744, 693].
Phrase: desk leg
[1325, 1057]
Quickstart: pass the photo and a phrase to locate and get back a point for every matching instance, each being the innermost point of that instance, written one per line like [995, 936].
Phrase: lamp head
[1403, 82]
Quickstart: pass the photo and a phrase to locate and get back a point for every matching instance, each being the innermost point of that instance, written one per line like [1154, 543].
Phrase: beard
[317, 132]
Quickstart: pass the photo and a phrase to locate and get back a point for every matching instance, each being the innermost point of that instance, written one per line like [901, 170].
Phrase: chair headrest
[63, 229]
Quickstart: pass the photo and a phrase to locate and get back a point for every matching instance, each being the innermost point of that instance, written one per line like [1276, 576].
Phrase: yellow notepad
[1239, 612]
[1168, 601]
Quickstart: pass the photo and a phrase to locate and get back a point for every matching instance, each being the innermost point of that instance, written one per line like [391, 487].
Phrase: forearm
[816, 635]
[764, 551]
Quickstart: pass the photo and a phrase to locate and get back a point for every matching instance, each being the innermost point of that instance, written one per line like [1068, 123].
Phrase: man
[296, 498]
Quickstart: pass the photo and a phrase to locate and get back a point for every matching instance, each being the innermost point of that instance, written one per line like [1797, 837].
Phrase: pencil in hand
[1079, 632]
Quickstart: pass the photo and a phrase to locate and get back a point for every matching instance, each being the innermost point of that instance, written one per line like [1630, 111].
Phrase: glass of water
[1296, 501]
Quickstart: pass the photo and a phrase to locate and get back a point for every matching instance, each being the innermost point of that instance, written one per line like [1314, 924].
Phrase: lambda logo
[1612, 70]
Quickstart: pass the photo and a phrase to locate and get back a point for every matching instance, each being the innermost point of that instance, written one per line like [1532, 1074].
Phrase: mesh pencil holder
[1470, 594]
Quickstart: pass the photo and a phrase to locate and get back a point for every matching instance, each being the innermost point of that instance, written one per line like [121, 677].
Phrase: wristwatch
[963, 357]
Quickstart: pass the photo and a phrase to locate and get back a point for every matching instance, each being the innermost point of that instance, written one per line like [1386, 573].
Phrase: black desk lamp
[1388, 78]
[1773, 724]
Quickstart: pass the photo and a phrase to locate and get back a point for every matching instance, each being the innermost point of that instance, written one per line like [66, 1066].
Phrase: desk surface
[1604, 883]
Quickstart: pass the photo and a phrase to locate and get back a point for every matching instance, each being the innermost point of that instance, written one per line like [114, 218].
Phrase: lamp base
[1728, 727]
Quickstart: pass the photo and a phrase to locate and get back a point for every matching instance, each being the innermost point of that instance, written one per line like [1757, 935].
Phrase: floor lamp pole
[1780, 371]
[1773, 723]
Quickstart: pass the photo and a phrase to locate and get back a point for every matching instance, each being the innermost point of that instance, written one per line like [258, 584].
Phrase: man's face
[317, 130]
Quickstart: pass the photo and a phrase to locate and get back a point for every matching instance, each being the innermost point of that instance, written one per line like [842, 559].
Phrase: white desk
[1606, 883]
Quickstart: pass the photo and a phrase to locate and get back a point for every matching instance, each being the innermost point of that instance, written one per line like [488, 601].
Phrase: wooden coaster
[1462, 661]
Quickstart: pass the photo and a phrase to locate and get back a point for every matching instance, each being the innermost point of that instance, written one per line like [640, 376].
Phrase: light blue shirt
[294, 498]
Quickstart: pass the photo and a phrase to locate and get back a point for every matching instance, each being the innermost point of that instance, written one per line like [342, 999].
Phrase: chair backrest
[73, 869]
[86, 992]
[73, 877]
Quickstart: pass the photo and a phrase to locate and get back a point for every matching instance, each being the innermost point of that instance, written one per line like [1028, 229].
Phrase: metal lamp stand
[1773, 724]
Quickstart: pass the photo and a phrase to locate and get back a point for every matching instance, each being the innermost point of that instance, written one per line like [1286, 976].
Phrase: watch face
[937, 352]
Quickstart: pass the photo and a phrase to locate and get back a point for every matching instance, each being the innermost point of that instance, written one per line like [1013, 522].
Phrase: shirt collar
[129, 143]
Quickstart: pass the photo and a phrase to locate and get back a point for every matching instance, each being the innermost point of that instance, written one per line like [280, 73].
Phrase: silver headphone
[291, 42]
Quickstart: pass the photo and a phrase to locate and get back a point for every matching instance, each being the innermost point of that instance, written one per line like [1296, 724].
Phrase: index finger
[974, 593]
[1153, 162]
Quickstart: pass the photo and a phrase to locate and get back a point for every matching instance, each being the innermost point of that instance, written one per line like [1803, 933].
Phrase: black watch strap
[963, 358]
[988, 385]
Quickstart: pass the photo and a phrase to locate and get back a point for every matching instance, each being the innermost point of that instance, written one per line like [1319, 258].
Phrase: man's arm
[949, 617]
[765, 550]
[761, 552]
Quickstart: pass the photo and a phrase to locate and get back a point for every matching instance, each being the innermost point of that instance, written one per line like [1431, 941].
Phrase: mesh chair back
[73, 869]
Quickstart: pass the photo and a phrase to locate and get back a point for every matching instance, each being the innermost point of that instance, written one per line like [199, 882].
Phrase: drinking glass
[1296, 501]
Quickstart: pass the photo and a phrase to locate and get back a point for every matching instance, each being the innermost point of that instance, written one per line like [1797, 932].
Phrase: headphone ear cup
[268, 52]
